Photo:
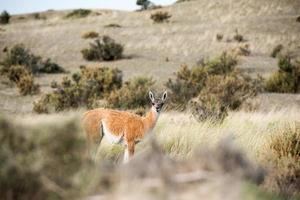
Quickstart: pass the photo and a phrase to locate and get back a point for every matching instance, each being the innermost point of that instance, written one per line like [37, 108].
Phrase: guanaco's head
[157, 103]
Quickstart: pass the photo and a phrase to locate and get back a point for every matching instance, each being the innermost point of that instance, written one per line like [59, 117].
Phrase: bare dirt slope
[158, 50]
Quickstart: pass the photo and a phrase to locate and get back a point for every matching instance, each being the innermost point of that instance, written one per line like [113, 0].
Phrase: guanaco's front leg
[129, 151]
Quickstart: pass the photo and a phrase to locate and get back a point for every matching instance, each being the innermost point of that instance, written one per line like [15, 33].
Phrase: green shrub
[79, 13]
[283, 154]
[132, 95]
[105, 49]
[189, 82]
[287, 78]
[143, 3]
[277, 49]
[90, 35]
[86, 87]
[23, 79]
[19, 55]
[160, 17]
[222, 93]
[4, 17]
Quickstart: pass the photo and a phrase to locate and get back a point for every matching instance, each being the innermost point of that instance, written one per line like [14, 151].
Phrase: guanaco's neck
[150, 120]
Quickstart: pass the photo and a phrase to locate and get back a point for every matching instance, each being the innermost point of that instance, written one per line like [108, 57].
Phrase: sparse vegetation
[90, 35]
[287, 78]
[277, 49]
[283, 155]
[132, 95]
[4, 17]
[20, 65]
[19, 55]
[79, 13]
[104, 49]
[160, 17]
[85, 88]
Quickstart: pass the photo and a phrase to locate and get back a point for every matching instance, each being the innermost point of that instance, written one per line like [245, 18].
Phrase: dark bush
[238, 37]
[287, 78]
[160, 17]
[132, 95]
[79, 13]
[189, 82]
[298, 19]
[90, 35]
[105, 49]
[4, 17]
[277, 49]
[112, 26]
[86, 87]
[143, 3]
[219, 37]
[222, 93]
[50, 67]
[19, 55]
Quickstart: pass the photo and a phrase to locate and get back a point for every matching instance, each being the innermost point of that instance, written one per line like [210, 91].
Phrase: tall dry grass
[158, 169]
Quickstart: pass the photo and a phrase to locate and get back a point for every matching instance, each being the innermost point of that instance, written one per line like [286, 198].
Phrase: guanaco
[122, 127]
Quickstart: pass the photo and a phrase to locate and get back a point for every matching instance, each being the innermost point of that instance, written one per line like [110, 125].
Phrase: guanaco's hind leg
[97, 143]
[94, 142]
[129, 151]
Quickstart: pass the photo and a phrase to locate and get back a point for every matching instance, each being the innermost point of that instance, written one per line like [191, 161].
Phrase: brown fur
[119, 123]
[125, 125]
[132, 126]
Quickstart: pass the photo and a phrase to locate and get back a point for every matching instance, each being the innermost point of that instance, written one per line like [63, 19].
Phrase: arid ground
[158, 51]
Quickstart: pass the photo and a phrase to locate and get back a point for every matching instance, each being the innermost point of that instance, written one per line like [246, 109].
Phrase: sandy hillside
[158, 50]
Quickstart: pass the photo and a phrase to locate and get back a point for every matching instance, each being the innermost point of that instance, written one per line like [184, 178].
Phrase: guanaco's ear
[164, 96]
[151, 96]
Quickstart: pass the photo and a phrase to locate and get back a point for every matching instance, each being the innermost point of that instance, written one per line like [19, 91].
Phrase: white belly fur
[111, 138]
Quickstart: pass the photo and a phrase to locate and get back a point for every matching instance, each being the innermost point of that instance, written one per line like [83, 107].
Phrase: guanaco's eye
[153, 104]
